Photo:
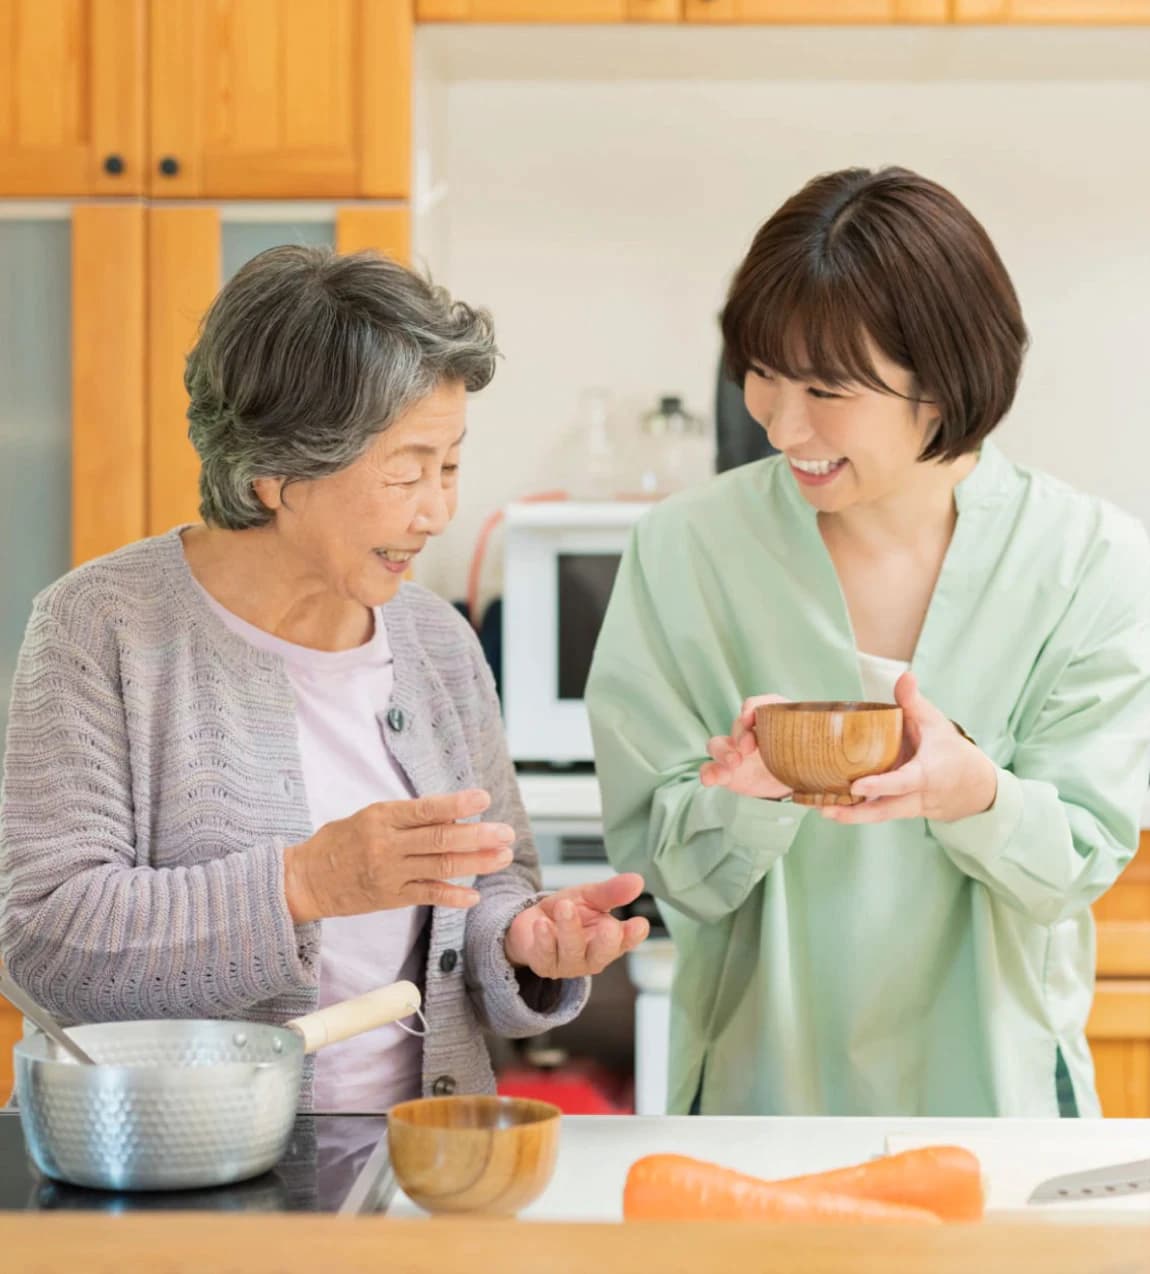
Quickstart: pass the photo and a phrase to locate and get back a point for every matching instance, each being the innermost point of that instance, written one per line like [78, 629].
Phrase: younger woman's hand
[941, 775]
[735, 762]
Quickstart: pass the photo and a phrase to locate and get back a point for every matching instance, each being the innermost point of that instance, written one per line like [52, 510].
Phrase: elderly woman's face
[846, 446]
[359, 529]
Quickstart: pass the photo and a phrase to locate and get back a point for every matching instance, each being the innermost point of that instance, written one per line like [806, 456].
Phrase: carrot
[945, 1180]
[677, 1188]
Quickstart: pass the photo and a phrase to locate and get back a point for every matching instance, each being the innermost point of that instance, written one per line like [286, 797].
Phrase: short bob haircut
[894, 257]
[305, 356]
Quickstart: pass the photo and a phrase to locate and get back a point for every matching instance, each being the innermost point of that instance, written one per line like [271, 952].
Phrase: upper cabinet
[548, 10]
[1085, 12]
[262, 98]
[842, 12]
[235, 99]
[71, 97]
[206, 98]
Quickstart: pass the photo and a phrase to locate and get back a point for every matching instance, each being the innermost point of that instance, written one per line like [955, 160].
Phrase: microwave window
[585, 582]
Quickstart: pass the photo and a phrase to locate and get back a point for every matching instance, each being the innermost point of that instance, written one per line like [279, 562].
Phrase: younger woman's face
[847, 446]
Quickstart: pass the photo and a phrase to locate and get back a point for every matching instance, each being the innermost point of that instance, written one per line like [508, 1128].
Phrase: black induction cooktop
[334, 1163]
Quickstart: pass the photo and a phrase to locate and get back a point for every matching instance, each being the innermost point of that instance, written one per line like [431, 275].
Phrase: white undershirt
[340, 696]
[879, 675]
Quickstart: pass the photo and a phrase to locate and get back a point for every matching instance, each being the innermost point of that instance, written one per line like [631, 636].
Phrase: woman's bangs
[798, 331]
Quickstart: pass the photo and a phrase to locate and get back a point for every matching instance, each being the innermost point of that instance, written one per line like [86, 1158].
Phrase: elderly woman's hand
[943, 776]
[572, 934]
[735, 762]
[395, 854]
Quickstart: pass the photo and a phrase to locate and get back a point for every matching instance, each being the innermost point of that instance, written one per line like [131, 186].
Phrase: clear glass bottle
[597, 473]
[674, 450]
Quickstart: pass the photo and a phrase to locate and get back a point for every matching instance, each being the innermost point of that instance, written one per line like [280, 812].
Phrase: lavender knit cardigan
[153, 779]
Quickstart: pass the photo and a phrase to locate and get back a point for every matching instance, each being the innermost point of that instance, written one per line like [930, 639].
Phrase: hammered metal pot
[180, 1104]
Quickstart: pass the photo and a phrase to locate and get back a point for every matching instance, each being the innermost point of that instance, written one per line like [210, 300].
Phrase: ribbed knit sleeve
[86, 925]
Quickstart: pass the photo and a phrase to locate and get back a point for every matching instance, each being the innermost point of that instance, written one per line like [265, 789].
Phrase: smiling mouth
[398, 557]
[817, 468]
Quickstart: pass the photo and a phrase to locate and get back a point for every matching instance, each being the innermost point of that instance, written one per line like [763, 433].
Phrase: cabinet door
[1119, 1033]
[71, 399]
[262, 98]
[108, 459]
[71, 97]
[816, 11]
[1084, 12]
[11, 1030]
[191, 252]
[1119, 1027]
[35, 423]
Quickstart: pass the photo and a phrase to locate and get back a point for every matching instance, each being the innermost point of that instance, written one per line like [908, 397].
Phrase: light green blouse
[913, 967]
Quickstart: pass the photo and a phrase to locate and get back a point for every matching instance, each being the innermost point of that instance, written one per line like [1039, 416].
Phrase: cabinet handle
[169, 166]
[113, 165]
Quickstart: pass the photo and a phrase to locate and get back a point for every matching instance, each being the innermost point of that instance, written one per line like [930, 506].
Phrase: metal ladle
[43, 1019]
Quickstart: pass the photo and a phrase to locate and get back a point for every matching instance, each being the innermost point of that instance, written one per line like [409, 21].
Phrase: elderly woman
[929, 951]
[250, 769]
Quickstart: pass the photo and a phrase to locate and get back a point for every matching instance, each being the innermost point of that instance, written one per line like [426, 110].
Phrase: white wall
[595, 188]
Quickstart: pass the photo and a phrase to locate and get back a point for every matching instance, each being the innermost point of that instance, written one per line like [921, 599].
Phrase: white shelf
[578, 514]
[561, 796]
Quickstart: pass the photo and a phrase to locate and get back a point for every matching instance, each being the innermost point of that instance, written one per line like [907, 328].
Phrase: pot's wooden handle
[354, 1017]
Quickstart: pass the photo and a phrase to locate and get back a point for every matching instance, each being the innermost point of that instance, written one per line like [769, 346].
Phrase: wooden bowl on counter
[819, 749]
[490, 1155]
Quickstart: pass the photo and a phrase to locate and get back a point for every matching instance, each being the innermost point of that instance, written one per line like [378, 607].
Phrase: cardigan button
[396, 720]
[444, 1086]
[447, 961]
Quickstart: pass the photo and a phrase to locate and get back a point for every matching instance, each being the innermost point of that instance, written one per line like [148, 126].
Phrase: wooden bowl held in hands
[819, 749]
[491, 1155]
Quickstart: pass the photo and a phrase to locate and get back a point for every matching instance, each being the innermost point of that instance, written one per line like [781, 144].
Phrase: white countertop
[595, 1153]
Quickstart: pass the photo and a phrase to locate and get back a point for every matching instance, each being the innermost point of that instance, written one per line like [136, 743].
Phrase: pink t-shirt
[347, 765]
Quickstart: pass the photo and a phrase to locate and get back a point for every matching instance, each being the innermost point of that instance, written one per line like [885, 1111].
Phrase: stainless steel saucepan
[178, 1104]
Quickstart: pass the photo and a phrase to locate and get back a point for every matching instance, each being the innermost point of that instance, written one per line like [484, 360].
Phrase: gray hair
[304, 356]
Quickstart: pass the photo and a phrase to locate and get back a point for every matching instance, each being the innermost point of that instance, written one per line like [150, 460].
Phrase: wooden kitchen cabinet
[191, 251]
[1119, 1026]
[128, 284]
[1119, 1033]
[108, 359]
[1070, 12]
[72, 400]
[797, 12]
[557, 11]
[11, 1030]
[264, 98]
[71, 97]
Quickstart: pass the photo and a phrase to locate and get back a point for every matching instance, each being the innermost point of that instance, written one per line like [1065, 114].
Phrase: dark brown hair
[895, 257]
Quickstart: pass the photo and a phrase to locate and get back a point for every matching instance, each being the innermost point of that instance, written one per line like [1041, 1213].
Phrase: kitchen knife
[1099, 1183]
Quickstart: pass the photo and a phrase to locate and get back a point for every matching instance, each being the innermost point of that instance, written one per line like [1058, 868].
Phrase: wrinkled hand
[940, 775]
[572, 934]
[735, 762]
[396, 854]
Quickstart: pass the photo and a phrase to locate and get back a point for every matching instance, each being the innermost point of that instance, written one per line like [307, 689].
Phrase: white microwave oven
[559, 564]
